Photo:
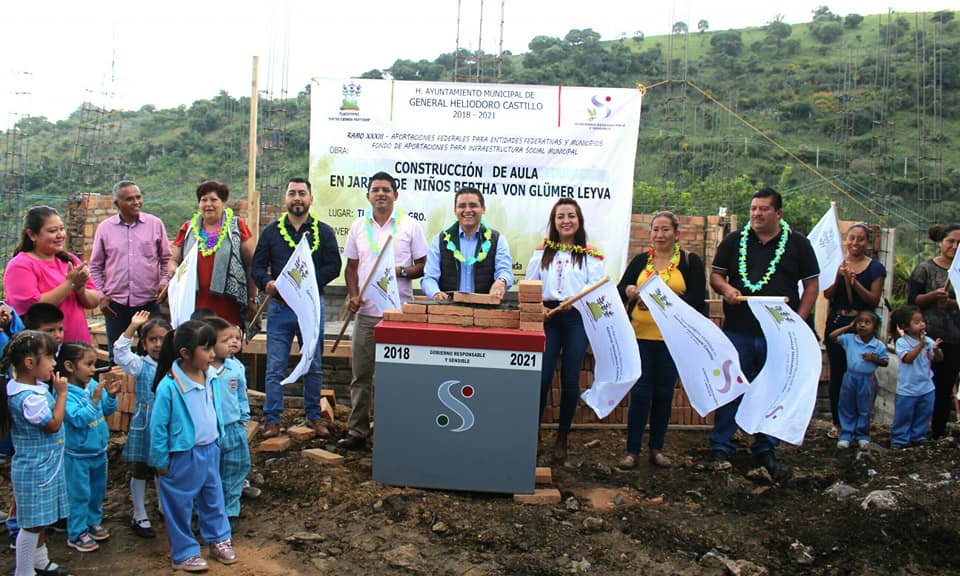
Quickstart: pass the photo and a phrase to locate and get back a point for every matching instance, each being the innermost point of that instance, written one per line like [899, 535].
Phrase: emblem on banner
[727, 377]
[299, 272]
[455, 405]
[351, 92]
[661, 299]
[601, 109]
[600, 308]
[780, 313]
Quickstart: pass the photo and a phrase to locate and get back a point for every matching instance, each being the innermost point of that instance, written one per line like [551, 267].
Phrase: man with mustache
[277, 242]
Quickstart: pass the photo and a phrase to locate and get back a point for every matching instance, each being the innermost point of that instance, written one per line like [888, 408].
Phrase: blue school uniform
[37, 467]
[137, 448]
[913, 407]
[856, 391]
[185, 425]
[87, 435]
[234, 451]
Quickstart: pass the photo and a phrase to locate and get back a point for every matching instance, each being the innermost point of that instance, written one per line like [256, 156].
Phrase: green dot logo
[443, 420]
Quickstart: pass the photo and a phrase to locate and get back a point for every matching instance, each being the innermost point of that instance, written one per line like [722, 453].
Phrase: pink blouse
[27, 278]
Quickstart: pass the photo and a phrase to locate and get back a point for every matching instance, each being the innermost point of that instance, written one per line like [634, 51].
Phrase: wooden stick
[363, 289]
[253, 322]
[576, 297]
[746, 298]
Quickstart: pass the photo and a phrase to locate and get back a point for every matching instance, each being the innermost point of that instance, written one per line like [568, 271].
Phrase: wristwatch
[403, 271]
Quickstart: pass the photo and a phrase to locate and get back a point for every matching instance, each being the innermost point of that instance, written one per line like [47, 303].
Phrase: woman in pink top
[42, 271]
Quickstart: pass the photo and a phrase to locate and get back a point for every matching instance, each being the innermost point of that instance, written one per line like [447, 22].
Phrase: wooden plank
[321, 455]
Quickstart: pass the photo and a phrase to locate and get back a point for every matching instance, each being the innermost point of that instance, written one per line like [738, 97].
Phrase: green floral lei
[315, 228]
[221, 233]
[573, 248]
[484, 247]
[742, 263]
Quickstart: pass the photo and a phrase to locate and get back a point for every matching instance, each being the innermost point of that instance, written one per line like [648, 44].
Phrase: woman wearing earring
[565, 265]
[652, 395]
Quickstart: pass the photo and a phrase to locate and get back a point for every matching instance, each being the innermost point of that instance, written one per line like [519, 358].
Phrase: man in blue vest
[468, 256]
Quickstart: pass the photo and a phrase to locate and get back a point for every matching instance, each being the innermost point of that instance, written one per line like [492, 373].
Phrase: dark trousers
[944, 377]
[564, 332]
[116, 326]
[652, 395]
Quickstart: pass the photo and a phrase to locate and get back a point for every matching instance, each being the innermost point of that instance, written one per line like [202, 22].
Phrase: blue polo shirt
[855, 348]
[916, 378]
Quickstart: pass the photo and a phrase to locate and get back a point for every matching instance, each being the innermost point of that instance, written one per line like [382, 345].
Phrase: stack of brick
[530, 296]
[119, 421]
[475, 310]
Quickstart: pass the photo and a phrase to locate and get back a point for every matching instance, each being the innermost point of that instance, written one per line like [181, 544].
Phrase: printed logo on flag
[727, 378]
[773, 413]
[455, 405]
[827, 239]
[384, 281]
[351, 92]
[661, 299]
[299, 272]
[780, 313]
[600, 308]
[600, 109]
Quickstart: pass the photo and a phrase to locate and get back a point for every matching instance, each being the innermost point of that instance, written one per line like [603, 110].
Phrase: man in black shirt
[277, 242]
[769, 260]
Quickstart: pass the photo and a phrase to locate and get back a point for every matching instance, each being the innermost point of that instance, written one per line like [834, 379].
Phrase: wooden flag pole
[576, 297]
[256, 317]
[363, 289]
[746, 298]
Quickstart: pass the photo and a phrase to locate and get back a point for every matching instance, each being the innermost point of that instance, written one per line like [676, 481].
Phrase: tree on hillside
[703, 26]
[679, 27]
[852, 21]
[826, 25]
[727, 42]
[777, 31]
[943, 16]
[582, 37]
[638, 36]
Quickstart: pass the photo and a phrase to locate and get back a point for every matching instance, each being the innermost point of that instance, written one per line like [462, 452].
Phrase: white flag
[707, 361]
[828, 246]
[616, 358]
[297, 285]
[182, 289]
[781, 398]
[382, 289]
[954, 275]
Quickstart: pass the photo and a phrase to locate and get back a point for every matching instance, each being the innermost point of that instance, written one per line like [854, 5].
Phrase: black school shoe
[769, 461]
[143, 528]
[52, 569]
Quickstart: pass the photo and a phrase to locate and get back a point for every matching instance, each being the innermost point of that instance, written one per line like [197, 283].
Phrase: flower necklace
[315, 228]
[574, 248]
[648, 271]
[204, 239]
[742, 263]
[484, 247]
[374, 247]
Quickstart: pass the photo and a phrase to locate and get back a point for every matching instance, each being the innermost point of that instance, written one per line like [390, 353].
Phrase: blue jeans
[752, 351]
[856, 401]
[911, 419]
[564, 332]
[282, 327]
[652, 394]
[116, 326]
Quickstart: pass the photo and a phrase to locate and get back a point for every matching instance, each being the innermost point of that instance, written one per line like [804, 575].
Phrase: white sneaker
[843, 444]
[863, 443]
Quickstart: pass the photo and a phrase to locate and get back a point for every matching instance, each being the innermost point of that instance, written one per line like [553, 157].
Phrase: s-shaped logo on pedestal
[455, 405]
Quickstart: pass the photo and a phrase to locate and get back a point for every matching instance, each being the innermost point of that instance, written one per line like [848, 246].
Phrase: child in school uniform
[185, 427]
[913, 408]
[143, 365]
[864, 353]
[87, 436]
[34, 418]
[231, 378]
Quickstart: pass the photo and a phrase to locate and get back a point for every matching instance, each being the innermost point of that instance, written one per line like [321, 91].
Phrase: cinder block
[411, 308]
[502, 314]
[328, 458]
[496, 323]
[301, 433]
[539, 496]
[275, 444]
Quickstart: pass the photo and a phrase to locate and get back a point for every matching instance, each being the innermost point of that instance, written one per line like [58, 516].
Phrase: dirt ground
[692, 519]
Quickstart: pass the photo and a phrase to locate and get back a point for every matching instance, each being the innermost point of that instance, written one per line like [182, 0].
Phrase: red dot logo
[467, 391]
[608, 99]
[739, 380]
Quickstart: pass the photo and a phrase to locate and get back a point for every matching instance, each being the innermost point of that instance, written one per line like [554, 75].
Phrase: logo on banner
[298, 273]
[727, 378]
[827, 240]
[455, 405]
[351, 92]
[600, 308]
[384, 282]
[780, 313]
[661, 300]
[600, 109]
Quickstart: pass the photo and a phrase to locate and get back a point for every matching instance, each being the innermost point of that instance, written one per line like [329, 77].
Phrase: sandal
[628, 462]
[833, 433]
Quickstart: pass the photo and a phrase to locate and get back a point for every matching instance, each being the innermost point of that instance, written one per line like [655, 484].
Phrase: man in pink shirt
[366, 237]
[129, 260]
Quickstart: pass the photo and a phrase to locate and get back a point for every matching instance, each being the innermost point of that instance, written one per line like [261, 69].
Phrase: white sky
[124, 54]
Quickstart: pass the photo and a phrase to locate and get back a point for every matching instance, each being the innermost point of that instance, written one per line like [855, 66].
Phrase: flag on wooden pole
[182, 289]
[297, 285]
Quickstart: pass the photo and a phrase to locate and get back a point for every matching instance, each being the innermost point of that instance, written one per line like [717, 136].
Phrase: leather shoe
[349, 442]
[320, 427]
[271, 431]
[769, 461]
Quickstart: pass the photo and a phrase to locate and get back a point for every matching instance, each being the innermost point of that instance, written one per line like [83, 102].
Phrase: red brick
[393, 315]
[531, 326]
[531, 307]
[410, 308]
[532, 316]
[452, 320]
[450, 310]
[544, 475]
[421, 318]
[529, 297]
[252, 427]
[539, 496]
[470, 298]
[328, 458]
[275, 444]
[530, 287]
[496, 323]
[301, 433]
[497, 313]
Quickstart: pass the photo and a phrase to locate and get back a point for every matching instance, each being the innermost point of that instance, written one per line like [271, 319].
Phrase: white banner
[781, 398]
[382, 289]
[954, 275]
[708, 364]
[297, 285]
[828, 246]
[616, 358]
[182, 289]
[522, 146]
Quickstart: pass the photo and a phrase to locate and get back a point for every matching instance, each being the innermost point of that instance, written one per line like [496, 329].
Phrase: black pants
[116, 326]
[944, 377]
[838, 361]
